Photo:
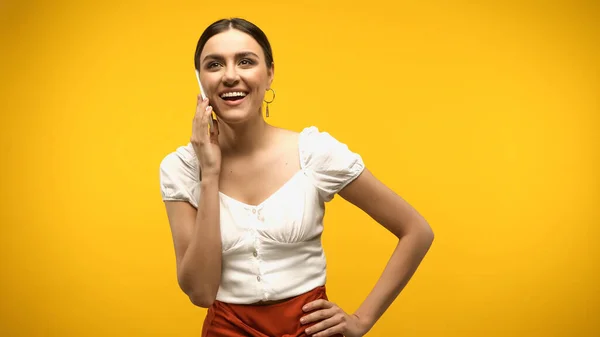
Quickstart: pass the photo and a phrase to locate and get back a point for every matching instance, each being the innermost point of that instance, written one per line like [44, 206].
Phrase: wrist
[208, 179]
[366, 321]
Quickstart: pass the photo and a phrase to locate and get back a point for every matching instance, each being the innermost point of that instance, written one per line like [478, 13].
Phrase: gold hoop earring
[271, 101]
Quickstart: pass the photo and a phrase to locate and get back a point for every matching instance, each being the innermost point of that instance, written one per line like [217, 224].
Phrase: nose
[230, 76]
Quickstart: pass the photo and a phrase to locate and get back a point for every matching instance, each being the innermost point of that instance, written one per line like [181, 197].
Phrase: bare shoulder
[282, 152]
[288, 139]
[286, 133]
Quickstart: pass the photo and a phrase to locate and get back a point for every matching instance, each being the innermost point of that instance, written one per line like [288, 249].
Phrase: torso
[251, 180]
[271, 210]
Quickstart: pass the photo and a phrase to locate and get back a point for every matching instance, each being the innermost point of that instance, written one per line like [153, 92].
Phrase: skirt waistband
[280, 319]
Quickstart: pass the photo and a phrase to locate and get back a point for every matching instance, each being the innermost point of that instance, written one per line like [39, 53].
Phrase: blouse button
[258, 278]
[255, 254]
[253, 211]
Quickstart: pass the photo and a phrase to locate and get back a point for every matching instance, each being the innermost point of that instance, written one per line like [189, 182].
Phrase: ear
[271, 73]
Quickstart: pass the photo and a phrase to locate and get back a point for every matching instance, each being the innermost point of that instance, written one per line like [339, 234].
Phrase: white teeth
[234, 94]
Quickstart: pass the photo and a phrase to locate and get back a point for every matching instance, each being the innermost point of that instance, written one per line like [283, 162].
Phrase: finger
[318, 316]
[317, 304]
[204, 122]
[213, 123]
[200, 107]
[334, 330]
[197, 134]
[324, 325]
[216, 122]
[214, 132]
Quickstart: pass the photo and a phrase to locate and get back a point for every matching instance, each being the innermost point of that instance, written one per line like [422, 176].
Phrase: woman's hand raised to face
[205, 141]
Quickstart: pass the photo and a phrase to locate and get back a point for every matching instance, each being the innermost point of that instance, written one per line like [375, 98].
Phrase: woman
[245, 202]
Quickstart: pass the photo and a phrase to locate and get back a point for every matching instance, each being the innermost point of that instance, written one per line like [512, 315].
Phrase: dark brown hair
[241, 25]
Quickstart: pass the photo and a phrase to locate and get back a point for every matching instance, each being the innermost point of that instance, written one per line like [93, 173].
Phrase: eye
[211, 65]
[246, 62]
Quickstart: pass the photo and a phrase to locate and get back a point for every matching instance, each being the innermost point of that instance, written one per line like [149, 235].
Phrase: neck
[243, 138]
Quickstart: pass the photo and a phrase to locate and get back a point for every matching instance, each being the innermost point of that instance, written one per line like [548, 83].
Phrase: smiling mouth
[235, 96]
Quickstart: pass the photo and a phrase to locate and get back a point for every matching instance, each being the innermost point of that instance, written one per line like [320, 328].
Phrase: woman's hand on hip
[332, 320]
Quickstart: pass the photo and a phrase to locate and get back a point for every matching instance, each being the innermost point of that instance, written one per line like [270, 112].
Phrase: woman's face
[234, 75]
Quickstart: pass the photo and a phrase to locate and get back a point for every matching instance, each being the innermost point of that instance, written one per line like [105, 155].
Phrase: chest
[291, 215]
[252, 181]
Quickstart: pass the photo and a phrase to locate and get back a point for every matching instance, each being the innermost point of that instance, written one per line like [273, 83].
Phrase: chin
[234, 115]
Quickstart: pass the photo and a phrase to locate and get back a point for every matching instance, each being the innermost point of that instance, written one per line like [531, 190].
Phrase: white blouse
[273, 250]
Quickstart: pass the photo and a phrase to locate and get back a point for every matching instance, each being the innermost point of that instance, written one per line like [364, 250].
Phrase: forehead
[229, 43]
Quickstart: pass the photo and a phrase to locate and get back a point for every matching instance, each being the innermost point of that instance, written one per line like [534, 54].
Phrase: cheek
[210, 84]
[256, 78]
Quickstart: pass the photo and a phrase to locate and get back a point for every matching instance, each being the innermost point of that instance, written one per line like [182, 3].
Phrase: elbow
[200, 296]
[421, 232]
[201, 300]
[428, 233]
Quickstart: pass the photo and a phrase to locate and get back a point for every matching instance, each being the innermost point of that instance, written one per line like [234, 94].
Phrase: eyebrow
[237, 55]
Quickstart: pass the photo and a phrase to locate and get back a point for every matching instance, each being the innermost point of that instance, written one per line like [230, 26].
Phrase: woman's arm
[197, 239]
[414, 234]
[415, 237]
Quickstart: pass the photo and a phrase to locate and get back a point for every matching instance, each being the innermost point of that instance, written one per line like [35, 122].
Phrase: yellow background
[484, 116]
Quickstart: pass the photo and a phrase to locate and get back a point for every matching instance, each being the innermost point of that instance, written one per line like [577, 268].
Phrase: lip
[236, 102]
[233, 90]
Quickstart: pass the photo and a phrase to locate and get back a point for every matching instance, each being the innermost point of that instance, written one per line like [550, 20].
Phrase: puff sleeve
[329, 163]
[179, 176]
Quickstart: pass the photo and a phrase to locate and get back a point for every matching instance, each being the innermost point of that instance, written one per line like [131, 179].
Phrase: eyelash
[249, 62]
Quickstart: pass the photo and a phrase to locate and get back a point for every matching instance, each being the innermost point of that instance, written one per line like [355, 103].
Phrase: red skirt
[281, 319]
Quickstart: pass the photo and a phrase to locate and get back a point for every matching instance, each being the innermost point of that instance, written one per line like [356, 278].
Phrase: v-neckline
[268, 198]
[299, 148]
